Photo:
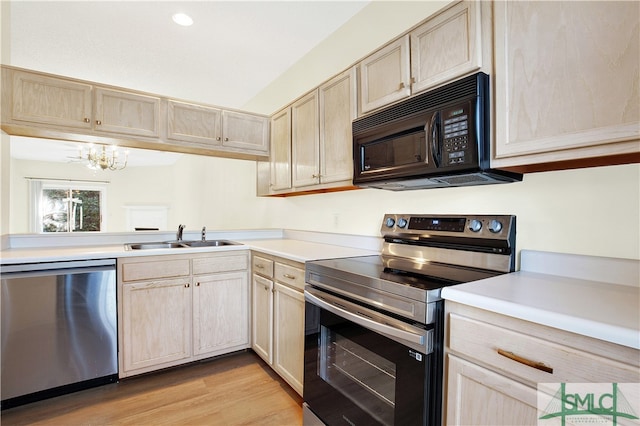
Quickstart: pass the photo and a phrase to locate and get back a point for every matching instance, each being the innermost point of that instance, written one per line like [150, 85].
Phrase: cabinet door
[220, 312]
[288, 358]
[193, 123]
[566, 80]
[127, 113]
[49, 100]
[305, 140]
[338, 109]
[156, 319]
[262, 317]
[384, 76]
[477, 396]
[447, 46]
[245, 131]
[281, 150]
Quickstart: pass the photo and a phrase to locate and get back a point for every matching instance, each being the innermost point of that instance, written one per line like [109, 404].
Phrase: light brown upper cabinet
[566, 82]
[244, 131]
[338, 108]
[55, 107]
[311, 140]
[42, 99]
[385, 75]
[445, 47]
[215, 128]
[127, 113]
[321, 136]
[280, 161]
[51, 101]
[305, 140]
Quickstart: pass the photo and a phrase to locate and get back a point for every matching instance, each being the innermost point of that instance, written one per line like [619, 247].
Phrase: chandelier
[103, 159]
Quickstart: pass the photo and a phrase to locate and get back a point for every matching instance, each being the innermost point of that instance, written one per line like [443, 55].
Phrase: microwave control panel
[455, 135]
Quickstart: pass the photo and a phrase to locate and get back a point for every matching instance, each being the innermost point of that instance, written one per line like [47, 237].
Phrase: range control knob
[475, 225]
[390, 222]
[495, 226]
[402, 222]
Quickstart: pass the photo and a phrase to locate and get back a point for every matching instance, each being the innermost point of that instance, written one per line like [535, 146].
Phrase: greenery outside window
[68, 206]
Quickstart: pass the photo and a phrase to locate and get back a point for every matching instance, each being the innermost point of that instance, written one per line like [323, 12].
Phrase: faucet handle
[179, 233]
[204, 233]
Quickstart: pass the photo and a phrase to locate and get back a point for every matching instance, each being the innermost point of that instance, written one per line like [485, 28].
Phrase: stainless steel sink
[211, 243]
[179, 244]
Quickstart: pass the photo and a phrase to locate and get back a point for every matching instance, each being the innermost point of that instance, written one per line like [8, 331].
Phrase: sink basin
[211, 243]
[151, 246]
[179, 244]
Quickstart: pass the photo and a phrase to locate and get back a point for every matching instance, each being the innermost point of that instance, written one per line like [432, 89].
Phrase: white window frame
[36, 186]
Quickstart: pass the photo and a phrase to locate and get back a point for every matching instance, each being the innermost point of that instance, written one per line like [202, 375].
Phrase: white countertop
[599, 308]
[293, 249]
[302, 251]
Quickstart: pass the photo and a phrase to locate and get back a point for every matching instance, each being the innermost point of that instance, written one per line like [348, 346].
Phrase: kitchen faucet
[204, 233]
[179, 234]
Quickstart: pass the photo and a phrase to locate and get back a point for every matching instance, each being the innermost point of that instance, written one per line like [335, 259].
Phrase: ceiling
[233, 50]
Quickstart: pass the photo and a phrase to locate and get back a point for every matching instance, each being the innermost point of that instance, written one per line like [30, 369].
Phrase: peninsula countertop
[296, 246]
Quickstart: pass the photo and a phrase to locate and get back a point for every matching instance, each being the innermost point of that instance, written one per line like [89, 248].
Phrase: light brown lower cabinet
[180, 308]
[478, 396]
[494, 364]
[278, 316]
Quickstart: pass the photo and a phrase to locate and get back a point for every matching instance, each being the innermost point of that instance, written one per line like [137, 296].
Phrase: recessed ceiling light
[182, 19]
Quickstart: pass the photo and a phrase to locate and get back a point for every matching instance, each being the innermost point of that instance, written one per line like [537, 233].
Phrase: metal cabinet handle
[226, 139]
[197, 284]
[537, 365]
[401, 86]
[291, 277]
[98, 122]
[218, 138]
[266, 288]
[87, 120]
[259, 266]
[187, 285]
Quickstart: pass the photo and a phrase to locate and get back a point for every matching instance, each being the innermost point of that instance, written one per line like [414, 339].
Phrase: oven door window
[356, 376]
[361, 375]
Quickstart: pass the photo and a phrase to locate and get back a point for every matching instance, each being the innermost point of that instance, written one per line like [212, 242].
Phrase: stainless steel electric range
[374, 325]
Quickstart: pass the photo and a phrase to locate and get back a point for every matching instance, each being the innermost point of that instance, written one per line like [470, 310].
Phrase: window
[67, 206]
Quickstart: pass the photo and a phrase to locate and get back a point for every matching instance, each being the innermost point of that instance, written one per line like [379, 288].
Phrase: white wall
[587, 211]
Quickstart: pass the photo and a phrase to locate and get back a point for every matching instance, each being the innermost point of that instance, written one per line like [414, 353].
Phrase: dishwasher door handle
[418, 338]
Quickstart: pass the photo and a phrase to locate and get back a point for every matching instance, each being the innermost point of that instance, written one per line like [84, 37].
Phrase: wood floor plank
[234, 390]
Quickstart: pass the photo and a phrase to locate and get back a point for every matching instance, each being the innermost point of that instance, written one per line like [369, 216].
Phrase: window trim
[36, 186]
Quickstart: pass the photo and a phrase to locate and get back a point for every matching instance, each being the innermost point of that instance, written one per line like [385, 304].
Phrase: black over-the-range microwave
[436, 139]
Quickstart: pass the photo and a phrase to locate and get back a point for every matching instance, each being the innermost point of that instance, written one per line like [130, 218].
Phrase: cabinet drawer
[146, 269]
[289, 275]
[210, 265]
[508, 351]
[263, 266]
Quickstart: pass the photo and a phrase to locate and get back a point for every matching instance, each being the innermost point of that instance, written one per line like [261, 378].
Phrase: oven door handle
[419, 339]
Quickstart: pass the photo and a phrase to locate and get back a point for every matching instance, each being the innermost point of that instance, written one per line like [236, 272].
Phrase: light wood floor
[239, 389]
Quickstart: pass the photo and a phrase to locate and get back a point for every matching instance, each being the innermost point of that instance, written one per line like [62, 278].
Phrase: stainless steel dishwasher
[59, 328]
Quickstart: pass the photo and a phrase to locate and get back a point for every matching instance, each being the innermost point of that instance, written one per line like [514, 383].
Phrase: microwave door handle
[434, 138]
